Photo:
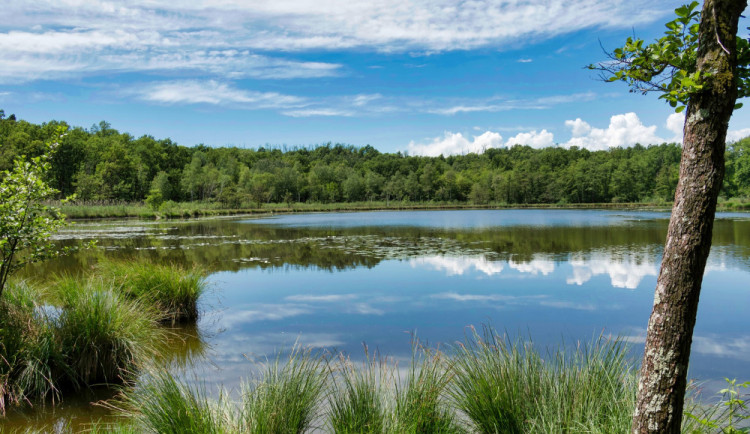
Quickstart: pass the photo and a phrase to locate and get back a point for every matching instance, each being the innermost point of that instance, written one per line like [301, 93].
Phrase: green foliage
[729, 414]
[92, 336]
[111, 171]
[668, 65]
[286, 398]
[26, 224]
[163, 404]
[357, 402]
[420, 405]
[172, 290]
[30, 358]
[106, 336]
[508, 386]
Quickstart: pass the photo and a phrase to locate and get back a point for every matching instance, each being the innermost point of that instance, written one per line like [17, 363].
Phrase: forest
[101, 164]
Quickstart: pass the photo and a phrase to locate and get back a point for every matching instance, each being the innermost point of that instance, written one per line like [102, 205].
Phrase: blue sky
[425, 77]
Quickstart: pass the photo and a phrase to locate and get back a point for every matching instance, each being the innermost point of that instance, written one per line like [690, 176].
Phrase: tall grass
[170, 288]
[106, 336]
[30, 357]
[420, 404]
[286, 398]
[357, 402]
[163, 404]
[507, 386]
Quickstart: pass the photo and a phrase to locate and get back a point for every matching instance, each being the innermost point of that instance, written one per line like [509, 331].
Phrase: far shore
[199, 209]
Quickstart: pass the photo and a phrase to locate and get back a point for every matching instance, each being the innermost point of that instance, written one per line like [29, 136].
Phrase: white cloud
[363, 99]
[623, 130]
[456, 144]
[733, 136]
[456, 266]
[471, 297]
[324, 298]
[303, 113]
[624, 271]
[535, 266]
[78, 36]
[264, 312]
[524, 60]
[675, 124]
[534, 139]
[212, 92]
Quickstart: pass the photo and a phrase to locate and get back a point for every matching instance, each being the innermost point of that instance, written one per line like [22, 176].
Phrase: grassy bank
[486, 384]
[171, 210]
[85, 331]
[489, 383]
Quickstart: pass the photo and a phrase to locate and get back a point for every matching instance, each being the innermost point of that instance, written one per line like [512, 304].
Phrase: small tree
[26, 224]
[701, 64]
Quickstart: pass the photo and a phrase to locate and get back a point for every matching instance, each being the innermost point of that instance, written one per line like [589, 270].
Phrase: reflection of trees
[230, 245]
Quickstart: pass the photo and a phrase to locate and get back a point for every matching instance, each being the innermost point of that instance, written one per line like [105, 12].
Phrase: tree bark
[663, 375]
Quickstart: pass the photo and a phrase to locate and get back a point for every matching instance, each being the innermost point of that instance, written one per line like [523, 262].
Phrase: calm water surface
[338, 281]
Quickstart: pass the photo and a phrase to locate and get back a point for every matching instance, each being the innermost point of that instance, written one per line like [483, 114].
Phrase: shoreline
[190, 210]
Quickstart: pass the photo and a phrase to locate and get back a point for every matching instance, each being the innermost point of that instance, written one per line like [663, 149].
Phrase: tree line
[102, 164]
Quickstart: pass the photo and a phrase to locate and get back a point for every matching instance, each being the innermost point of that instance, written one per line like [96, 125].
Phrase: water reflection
[337, 280]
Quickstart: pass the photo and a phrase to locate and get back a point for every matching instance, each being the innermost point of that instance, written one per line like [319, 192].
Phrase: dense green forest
[101, 164]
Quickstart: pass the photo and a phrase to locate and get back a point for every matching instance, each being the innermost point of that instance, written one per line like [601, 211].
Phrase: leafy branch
[668, 65]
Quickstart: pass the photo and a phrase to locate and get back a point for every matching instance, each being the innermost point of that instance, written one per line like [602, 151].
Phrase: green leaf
[679, 109]
[738, 106]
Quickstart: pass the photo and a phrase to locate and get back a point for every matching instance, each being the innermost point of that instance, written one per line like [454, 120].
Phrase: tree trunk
[663, 376]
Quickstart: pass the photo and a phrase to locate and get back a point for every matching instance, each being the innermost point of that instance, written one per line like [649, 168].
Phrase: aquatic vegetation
[505, 385]
[106, 336]
[173, 290]
[420, 398]
[30, 356]
[286, 398]
[163, 404]
[357, 401]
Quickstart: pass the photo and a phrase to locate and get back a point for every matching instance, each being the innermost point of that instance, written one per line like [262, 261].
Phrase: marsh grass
[162, 403]
[508, 386]
[106, 337]
[29, 356]
[286, 398]
[357, 402]
[420, 397]
[173, 290]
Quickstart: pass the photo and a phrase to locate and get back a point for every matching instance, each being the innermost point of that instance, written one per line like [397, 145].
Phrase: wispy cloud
[303, 113]
[498, 104]
[45, 38]
[324, 298]
[212, 92]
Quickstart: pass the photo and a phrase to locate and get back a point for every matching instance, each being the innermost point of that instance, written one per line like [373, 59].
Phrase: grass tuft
[163, 404]
[286, 398]
[357, 402]
[171, 289]
[504, 385]
[30, 356]
[420, 406]
[106, 336]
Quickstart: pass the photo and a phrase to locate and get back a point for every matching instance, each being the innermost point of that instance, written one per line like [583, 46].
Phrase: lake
[339, 281]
